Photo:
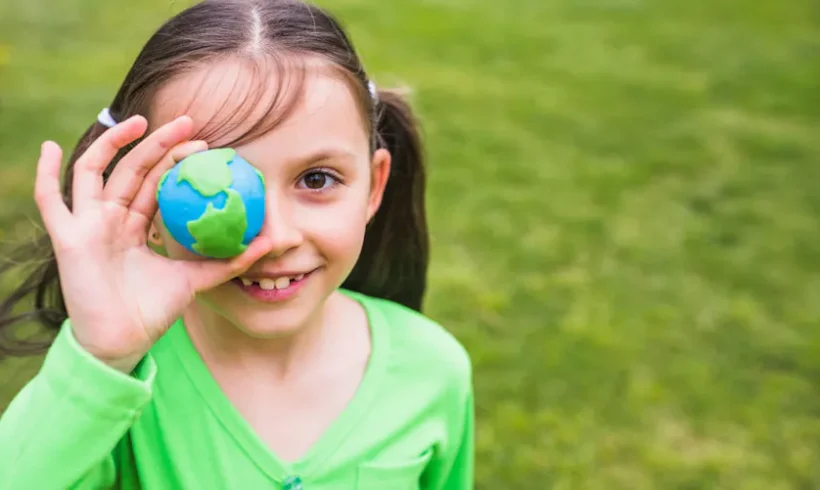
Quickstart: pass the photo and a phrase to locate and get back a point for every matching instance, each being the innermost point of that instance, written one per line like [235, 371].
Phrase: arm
[60, 430]
[454, 470]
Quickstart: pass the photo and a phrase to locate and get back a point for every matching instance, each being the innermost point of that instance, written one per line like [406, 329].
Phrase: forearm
[59, 431]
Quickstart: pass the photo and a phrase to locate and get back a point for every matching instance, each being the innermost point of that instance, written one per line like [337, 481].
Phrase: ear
[379, 174]
[155, 238]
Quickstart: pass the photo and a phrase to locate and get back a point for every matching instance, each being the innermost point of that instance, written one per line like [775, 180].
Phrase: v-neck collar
[245, 436]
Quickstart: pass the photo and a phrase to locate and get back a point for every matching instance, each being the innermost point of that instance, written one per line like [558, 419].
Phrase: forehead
[229, 98]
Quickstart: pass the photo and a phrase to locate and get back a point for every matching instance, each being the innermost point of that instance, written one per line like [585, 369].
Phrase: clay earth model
[213, 202]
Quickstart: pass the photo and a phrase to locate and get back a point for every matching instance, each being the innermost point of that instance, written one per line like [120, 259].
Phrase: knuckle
[167, 138]
[166, 142]
[86, 161]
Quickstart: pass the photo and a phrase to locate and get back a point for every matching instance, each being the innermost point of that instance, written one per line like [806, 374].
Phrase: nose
[279, 226]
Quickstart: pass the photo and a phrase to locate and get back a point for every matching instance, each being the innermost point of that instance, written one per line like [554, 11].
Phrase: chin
[270, 325]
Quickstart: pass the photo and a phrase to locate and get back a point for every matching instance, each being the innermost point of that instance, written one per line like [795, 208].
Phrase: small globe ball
[213, 203]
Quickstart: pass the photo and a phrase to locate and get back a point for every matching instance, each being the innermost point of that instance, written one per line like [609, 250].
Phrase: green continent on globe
[261, 177]
[219, 232]
[208, 171]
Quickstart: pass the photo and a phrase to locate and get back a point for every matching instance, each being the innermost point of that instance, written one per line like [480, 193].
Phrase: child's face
[323, 186]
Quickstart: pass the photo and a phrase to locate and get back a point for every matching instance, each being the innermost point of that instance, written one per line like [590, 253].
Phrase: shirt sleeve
[61, 428]
[455, 469]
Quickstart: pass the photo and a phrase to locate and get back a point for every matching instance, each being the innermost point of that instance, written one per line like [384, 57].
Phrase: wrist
[123, 361]
[125, 365]
[126, 361]
[122, 354]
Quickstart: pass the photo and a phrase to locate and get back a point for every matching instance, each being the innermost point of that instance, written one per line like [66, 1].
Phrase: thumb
[205, 274]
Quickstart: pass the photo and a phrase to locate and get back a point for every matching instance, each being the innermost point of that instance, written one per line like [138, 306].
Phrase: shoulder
[420, 343]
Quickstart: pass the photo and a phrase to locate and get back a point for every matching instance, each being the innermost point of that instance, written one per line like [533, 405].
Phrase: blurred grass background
[625, 212]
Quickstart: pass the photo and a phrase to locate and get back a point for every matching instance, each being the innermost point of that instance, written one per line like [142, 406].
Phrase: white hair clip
[371, 87]
[105, 118]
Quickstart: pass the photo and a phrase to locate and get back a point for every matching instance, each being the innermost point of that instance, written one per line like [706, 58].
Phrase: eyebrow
[329, 153]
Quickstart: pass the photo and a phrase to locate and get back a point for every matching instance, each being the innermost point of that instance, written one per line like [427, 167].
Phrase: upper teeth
[270, 284]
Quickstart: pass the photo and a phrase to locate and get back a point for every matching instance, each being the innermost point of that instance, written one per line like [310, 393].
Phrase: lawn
[624, 205]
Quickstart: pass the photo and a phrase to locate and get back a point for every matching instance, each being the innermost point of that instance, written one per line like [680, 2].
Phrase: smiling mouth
[272, 289]
[269, 284]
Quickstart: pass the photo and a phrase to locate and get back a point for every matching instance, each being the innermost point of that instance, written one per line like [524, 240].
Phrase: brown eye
[319, 180]
[315, 180]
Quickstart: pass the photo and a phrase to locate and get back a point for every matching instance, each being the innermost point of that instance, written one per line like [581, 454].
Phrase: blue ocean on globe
[181, 203]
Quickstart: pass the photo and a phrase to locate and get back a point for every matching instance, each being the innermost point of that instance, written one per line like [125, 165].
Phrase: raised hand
[120, 295]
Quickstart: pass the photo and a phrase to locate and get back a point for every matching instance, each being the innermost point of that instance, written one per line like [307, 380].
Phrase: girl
[304, 363]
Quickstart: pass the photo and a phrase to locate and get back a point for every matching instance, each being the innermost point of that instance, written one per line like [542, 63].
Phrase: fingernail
[133, 118]
[196, 146]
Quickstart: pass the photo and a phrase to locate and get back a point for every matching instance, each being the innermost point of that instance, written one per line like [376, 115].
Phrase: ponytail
[395, 255]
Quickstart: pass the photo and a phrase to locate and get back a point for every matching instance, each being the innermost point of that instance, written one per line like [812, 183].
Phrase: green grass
[624, 209]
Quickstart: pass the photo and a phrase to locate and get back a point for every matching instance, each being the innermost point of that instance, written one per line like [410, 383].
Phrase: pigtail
[395, 255]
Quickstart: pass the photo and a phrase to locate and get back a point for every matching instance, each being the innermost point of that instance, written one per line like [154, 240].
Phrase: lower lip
[273, 295]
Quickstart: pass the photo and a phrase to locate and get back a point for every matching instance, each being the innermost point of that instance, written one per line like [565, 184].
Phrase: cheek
[337, 228]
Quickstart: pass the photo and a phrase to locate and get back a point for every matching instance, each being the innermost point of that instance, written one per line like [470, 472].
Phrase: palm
[132, 287]
[120, 295]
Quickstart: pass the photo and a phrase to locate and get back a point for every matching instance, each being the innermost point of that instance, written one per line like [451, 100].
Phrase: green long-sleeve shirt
[79, 424]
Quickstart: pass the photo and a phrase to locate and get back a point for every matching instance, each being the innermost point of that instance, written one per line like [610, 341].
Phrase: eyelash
[337, 180]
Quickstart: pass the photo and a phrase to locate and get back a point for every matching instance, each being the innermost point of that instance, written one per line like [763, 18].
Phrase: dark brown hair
[394, 259]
